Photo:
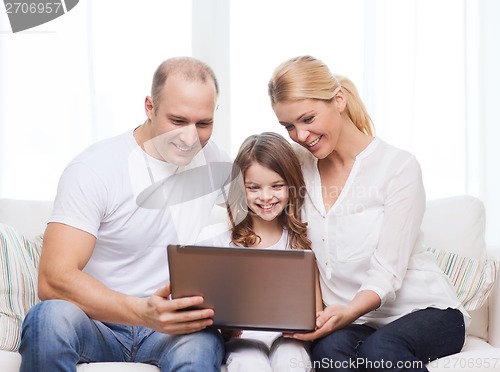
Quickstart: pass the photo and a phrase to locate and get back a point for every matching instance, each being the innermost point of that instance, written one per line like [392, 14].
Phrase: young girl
[265, 212]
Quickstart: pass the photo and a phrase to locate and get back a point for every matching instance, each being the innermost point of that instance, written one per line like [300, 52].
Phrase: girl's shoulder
[216, 235]
[282, 244]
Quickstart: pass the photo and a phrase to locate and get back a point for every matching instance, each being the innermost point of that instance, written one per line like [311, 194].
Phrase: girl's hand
[228, 334]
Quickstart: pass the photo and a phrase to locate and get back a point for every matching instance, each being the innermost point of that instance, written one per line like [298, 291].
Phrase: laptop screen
[248, 288]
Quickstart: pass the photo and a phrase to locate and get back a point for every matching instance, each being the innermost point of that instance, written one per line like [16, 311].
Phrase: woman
[388, 305]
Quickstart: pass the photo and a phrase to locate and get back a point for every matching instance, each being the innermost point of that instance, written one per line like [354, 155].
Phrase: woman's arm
[404, 207]
[319, 296]
[338, 316]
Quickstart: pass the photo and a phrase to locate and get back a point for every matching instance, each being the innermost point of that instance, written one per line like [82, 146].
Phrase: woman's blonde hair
[306, 77]
[272, 151]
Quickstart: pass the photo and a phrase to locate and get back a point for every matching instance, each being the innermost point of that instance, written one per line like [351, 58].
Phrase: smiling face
[182, 122]
[266, 192]
[312, 123]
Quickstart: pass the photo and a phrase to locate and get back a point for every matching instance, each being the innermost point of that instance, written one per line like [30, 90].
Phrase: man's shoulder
[105, 159]
[106, 149]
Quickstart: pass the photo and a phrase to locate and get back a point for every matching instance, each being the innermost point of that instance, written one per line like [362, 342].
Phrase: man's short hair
[189, 68]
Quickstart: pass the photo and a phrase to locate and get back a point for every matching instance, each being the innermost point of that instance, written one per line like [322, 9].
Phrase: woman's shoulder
[305, 157]
[389, 153]
[387, 147]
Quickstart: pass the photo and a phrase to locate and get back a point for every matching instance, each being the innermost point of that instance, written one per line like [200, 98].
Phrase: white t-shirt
[111, 191]
[370, 238]
[223, 239]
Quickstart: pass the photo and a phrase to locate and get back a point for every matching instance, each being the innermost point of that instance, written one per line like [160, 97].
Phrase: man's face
[182, 122]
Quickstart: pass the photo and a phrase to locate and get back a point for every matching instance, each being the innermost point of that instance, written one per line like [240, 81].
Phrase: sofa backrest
[29, 217]
[457, 224]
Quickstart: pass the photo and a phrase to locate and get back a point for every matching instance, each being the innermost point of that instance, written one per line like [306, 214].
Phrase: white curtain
[76, 80]
[426, 69]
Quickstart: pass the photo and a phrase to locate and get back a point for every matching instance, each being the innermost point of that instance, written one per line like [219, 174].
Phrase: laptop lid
[248, 288]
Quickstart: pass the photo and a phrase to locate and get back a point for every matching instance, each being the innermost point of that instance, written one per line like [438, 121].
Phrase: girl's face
[266, 192]
[313, 124]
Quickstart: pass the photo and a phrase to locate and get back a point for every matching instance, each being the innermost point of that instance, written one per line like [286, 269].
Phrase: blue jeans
[58, 335]
[406, 344]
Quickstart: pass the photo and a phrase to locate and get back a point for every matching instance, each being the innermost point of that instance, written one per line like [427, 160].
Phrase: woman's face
[313, 124]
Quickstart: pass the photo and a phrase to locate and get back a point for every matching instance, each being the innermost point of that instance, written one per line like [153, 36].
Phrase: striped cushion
[18, 283]
[473, 278]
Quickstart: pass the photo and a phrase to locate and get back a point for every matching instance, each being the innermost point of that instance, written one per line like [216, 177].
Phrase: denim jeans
[57, 335]
[406, 344]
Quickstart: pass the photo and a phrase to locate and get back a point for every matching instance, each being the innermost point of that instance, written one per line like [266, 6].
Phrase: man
[103, 271]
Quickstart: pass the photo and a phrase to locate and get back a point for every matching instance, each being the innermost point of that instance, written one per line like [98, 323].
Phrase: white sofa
[454, 224]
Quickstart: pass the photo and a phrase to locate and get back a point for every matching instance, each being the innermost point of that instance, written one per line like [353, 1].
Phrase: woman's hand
[337, 316]
[331, 318]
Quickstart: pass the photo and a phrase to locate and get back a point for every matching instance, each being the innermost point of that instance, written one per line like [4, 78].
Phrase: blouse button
[328, 271]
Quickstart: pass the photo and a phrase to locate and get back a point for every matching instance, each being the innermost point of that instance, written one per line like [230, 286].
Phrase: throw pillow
[18, 283]
[473, 278]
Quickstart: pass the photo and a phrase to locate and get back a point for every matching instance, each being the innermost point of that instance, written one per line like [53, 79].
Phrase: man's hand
[163, 315]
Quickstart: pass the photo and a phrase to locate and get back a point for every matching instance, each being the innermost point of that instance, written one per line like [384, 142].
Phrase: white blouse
[370, 238]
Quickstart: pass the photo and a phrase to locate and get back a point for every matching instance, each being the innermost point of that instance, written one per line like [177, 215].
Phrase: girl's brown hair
[272, 151]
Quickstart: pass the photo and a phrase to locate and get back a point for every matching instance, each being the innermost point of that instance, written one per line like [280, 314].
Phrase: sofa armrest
[494, 305]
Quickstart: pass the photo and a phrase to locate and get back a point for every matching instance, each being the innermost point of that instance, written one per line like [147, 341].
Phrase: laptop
[248, 288]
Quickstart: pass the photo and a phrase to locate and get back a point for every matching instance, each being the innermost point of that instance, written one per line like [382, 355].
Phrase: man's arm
[66, 251]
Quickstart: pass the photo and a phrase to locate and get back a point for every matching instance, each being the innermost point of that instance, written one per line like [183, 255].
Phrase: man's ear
[149, 107]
